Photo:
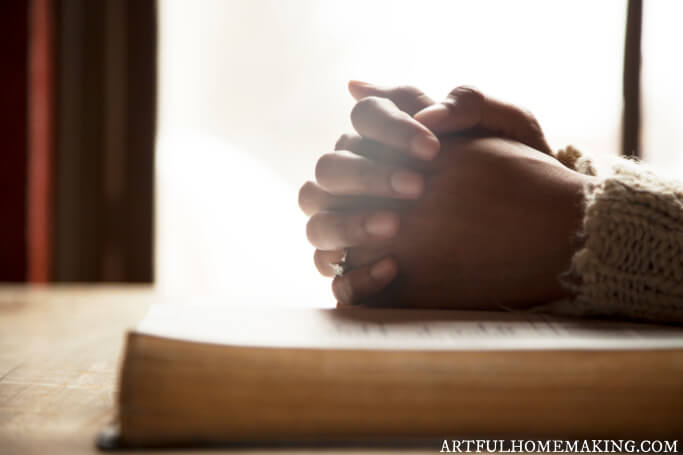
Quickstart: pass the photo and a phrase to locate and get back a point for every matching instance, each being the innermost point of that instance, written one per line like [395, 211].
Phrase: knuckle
[368, 176]
[319, 261]
[527, 114]
[533, 127]
[324, 168]
[409, 99]
[364, 108]
[532, 120]
[322, 230]
[331, 230]
[312, 229]
[349, 142]
[306, 195]
[466, 95]
[467, 90]
[345, 231]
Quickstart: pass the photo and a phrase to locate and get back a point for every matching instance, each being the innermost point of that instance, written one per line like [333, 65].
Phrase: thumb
[407, 98]
[466, 108]
[461, 110]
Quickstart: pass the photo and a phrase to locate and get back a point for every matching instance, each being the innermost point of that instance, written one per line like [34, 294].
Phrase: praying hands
[458, 204]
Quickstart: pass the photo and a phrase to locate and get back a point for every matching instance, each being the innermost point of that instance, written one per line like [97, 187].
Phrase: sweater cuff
[630, 264]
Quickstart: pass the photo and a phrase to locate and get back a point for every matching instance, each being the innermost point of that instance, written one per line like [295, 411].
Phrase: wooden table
[59, 357]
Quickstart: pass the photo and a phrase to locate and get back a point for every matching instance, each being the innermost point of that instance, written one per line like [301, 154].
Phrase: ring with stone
[342, 266]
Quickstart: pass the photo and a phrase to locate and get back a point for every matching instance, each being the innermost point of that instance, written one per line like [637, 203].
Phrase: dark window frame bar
[631, 122]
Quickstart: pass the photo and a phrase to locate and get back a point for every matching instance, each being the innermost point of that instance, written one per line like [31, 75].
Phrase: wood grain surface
[60, 350]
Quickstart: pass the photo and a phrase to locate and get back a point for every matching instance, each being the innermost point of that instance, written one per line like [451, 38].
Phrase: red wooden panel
[41, 140]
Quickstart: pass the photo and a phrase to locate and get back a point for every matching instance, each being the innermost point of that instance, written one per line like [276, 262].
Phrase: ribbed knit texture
[631, 262]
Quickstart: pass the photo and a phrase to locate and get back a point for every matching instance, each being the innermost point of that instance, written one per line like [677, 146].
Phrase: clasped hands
[458, 204]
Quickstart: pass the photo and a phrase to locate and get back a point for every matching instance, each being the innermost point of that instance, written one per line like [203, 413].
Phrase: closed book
[209, 375]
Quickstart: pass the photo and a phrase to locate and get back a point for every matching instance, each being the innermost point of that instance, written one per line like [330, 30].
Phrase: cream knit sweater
[630, 264]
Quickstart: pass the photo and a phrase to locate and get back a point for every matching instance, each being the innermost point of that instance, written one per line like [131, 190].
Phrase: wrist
[582, 186]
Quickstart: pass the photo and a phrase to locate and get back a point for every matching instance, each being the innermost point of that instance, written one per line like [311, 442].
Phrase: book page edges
[351, 394]
[361, 328]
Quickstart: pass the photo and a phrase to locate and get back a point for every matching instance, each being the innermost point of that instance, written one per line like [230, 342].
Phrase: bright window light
[253, 91]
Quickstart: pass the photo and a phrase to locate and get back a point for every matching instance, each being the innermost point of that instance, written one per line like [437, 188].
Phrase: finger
[349, 174]
[381, 120]
[408, 99]
[368, 148]
[336, 230]
[323, 259]
[466, 108]
[461, 110]
[313, 199]
[379, 152]
[361, 283]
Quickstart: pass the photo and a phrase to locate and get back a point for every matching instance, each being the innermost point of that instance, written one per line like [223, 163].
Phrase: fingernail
[407, 183]
[424, 146]
[384, 270]
[384, 224]
[357, 82]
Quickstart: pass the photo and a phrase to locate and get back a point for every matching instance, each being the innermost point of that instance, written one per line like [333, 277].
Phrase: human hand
[346, 175]
[356, 190]
[496, 225]
[463, 109]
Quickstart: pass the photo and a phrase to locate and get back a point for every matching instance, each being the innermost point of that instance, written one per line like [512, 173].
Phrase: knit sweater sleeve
[630, 264]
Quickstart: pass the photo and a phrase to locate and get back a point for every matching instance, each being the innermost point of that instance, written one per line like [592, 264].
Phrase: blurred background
[166, 141]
